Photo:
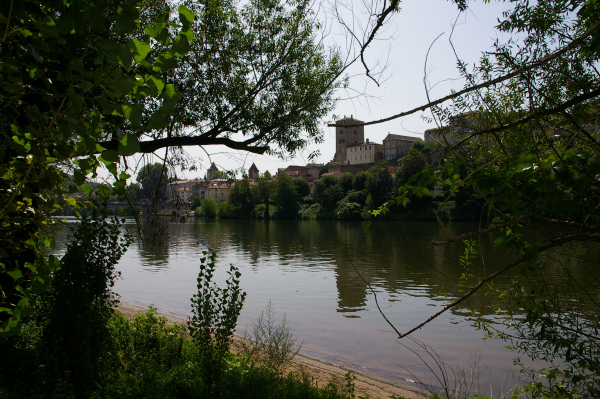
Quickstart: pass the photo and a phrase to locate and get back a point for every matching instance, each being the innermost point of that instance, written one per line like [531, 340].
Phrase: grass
[147, 357]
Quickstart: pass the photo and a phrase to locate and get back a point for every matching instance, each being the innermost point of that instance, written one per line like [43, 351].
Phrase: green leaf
[170, 91]
[129, 145]
[181, 46]
[71, 201]
[186, 16]
[127, 19]
[140, 50]
[133, 112]
[160, 85]
[86, 189]
[76, 100]
[109, 156]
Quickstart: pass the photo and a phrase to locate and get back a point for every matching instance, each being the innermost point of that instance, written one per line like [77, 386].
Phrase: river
[324, 275]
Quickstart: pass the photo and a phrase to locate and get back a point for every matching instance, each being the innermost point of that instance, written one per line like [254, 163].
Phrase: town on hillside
[353, 153]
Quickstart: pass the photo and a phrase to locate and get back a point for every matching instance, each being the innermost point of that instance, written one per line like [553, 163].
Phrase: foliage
[241, 198]
[269, 345]
[379, 183]
[215, 312]
[209, 208]
[196, 201]
[225, 209]
[257, 78]
[262, 193]
[302, 186]
[87, 84]
[346, 182]
[359, 180]
[348, 209]
[410, 165]
[525, 152]
[327, 192]
[81, 300]
[286, 197]
[74, 94]
[153, 181]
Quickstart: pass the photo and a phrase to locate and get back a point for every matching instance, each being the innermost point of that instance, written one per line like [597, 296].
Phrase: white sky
[403, 49]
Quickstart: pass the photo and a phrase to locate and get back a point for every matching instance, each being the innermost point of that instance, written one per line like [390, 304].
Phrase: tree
[209, 208]
[263, 191]
[379, 183]
[358, 182]
[327, 192]
[522, 139]
[286, 197]
[241, 199]
[104, 80]
[302, 186]
[345, 182]
[410, 165]
[153, 181]
[195, 202]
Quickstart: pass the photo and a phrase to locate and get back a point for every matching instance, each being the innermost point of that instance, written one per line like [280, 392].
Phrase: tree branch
[574, 44]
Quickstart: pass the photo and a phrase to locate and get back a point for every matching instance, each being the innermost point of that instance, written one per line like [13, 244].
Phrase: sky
[402, 48]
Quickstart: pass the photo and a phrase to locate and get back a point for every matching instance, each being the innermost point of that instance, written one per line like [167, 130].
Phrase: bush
[215, 312]
[209, 208]
[269, 345]
[81, 301]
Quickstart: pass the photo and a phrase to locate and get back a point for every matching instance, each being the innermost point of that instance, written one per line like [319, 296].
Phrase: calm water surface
[308, 270]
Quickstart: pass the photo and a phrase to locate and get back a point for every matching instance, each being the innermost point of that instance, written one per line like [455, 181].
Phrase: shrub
[270, 345]
[209, 208]
[215, 312]
[81, 301]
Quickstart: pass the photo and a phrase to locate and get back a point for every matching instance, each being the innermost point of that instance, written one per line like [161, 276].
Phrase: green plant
[269, 344]
[209, 208]
[215, 312]
[81, 300]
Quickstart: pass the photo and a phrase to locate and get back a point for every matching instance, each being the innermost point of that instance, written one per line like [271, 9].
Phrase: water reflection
[309, 270]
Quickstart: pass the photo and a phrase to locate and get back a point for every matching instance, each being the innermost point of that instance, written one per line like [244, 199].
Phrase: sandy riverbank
[369, 385]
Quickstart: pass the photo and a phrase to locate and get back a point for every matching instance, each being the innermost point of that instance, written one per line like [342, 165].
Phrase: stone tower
[346, 135]
[253, 172]
[209, 172]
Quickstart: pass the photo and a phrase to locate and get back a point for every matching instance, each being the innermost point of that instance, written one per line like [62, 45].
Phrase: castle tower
[209, 172]
[347, 135]
[253, 172]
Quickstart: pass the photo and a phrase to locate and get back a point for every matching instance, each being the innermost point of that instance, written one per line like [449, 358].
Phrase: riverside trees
[524, 145]
[88, 84]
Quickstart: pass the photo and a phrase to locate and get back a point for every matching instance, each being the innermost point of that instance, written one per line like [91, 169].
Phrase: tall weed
[215, 312]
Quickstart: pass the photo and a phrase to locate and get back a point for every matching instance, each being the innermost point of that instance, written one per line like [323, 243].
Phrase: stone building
[348, 131]
[396, 146]
[364, 153]
[253, 172]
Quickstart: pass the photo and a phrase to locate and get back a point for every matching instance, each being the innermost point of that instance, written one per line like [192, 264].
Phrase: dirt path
[324, 372]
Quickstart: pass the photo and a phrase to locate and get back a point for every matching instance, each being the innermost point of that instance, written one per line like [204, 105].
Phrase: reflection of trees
[394, 257]
[155, 256]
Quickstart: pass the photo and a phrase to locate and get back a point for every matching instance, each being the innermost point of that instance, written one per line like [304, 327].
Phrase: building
[364, 153]
[253, 172]
[184, 190]
[396, 146]
[348, 131]
[219, 190]
[209, 173]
